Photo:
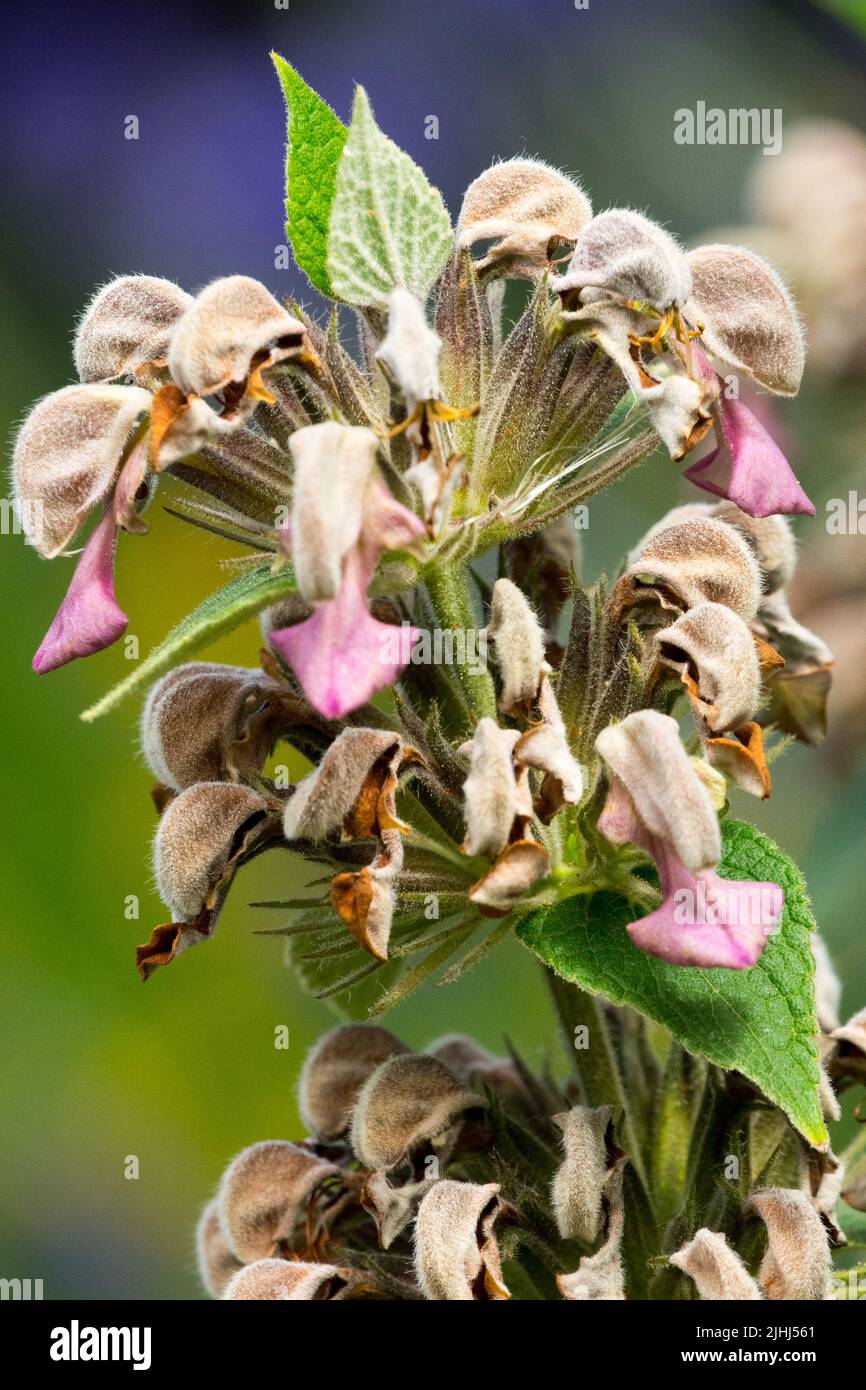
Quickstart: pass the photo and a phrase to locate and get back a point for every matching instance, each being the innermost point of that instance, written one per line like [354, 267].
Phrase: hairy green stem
[452, 604]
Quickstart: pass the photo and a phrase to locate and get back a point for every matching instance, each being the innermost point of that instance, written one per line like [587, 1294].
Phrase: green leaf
[389, 225]
[315, 143]
[220, 612]
[760, 1022]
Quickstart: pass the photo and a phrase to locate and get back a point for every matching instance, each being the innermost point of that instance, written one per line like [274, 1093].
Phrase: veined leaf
[220, 612]
[315, 143]
[389, 225]
[760, 1022]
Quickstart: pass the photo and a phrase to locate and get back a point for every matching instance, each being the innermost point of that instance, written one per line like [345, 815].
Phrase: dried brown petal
[519, 867]
[411, 1107]
[334, 1072]
[456, 1254]
[67, 456]
[325, 800]
[528, 208]
[127, 325]
[216, 1262]
[741, 758]
[205, 722]
[266, 1194]
[717, 1270]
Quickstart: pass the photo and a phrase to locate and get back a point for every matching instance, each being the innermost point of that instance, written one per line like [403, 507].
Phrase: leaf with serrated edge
[760, 1022]
[220, 612]
[389, 225]
[315, 143]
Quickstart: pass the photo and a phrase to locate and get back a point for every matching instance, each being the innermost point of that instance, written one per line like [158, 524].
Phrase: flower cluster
[454, 1174]
[364, 490]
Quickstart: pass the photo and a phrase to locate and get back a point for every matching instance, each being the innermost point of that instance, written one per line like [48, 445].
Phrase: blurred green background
[95, 1067]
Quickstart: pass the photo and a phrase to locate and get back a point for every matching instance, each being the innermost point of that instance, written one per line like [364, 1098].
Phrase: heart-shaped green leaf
[760, 1022]
[220, 612]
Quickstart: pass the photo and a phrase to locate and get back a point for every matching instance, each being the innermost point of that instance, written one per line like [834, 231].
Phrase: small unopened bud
[527, 209]
[578, 1183]
[410, 351]
[411, 1107]
[494, 797]
[797, 1262]
[67, 456]
[126, 325]
[233, 326]
[205, 722]
[216, 1262]
[334, 1072]
[289, 1280]
[456, 1252]
[266, 1193]
[600, 1278]
[519, 646]
[715, 654]
[717, 1271]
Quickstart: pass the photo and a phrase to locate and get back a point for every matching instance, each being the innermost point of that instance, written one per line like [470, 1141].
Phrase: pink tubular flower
[343, 518]
[72, 453]
[632, 288]
[747, 467]
[658, 802]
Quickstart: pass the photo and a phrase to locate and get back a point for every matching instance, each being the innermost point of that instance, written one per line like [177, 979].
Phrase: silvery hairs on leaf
[526, 209]
[127, 325]
[265, 1194]
[67, 456]
[388, 225]
[410, 1107]
[456, 1253]
[335, 1071]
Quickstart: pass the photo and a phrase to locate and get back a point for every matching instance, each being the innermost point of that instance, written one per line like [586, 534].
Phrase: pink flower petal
[748, 467]
[706, 920]
[341, 655]
[89, 618]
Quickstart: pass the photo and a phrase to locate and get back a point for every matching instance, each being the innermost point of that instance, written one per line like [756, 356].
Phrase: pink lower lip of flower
[89, 618]
[705, 920]
[748, 467]
[338, 654]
